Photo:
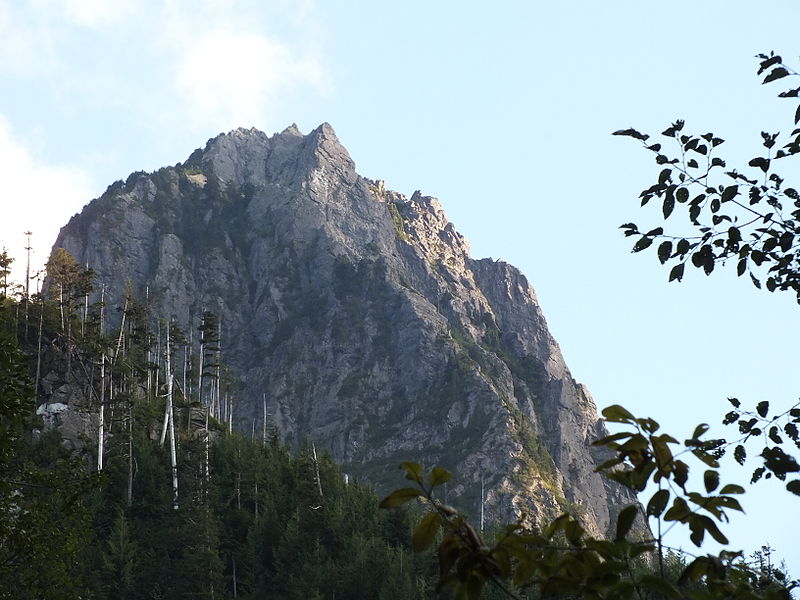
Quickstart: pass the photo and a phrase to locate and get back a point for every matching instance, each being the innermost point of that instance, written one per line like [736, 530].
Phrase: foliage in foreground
[561, 560]
[753, 221]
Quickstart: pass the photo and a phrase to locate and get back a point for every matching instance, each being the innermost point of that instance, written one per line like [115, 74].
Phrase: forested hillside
[244, 518]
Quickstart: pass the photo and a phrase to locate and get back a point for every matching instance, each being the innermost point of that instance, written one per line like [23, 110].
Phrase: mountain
[359, 316]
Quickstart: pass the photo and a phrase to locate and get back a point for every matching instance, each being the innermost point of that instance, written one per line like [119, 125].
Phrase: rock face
[360, 316]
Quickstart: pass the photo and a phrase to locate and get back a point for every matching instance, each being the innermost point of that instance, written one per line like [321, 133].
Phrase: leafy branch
[748, 216]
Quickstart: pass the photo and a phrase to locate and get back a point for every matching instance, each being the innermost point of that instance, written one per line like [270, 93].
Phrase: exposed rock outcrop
[360, 315]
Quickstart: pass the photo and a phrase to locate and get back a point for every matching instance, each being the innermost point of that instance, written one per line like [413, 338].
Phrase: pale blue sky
[503, 111]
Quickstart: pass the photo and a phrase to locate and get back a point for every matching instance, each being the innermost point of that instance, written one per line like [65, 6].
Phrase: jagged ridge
[360, 315]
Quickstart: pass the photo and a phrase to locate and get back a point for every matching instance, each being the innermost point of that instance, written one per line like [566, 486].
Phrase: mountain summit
[358, 317]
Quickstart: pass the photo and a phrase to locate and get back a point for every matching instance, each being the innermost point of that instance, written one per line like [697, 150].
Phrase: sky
[503, 111]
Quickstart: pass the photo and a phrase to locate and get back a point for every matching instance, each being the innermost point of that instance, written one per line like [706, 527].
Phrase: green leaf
[474, 586]
[695, 570]
[413, 471]
[604, 441]
[611, 462]
[448, 552]
[660, 586]
[399, 497]
[573, 532]
[617, 414]
[439, 476]
[711, 480]
[706, 458]
[425, 532]
[699, 431]
[625, 520]
[657, 504]
[678, 511]
[732, 488]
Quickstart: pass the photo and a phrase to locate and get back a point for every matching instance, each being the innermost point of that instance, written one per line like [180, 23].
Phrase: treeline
[154, 495]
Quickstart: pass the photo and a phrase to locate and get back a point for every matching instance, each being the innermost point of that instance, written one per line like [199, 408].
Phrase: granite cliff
[360, 316]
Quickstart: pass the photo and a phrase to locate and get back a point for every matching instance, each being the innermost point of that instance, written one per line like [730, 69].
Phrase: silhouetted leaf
[658, 502]
[740, 454]
[769, 62]
[757, 474]
[762, 408]
[780, 463]
[712, 528]
[677, 272]
[625, 520]
[776, 73]
[668, 205]
[631, 133]
[730, 192]
[774, 435]
[644, 242]
[732, 488]
[794, 486]
[761, 163]
[664, 251]
[731, 417]
[710, 480]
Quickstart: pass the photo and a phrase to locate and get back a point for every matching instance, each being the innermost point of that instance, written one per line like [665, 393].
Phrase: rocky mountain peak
[359, 316]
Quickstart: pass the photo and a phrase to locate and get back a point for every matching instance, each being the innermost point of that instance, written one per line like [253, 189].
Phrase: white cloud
[27, 40]
[98, 13]
[37, 197]
[229, 78]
